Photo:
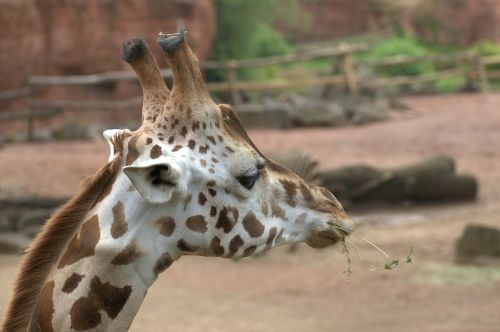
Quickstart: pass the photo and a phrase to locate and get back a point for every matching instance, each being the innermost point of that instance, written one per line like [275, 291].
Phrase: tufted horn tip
[170, 43]
[134, 49]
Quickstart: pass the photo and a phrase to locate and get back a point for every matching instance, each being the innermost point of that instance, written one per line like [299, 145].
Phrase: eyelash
[249, 180]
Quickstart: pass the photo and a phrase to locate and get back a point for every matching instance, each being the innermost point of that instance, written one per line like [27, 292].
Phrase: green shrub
[245, 30]
[269, 42]
[450, 84]
[488, 48]
[400, 45]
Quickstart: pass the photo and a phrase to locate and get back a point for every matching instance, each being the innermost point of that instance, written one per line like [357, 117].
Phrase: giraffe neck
[103, 276]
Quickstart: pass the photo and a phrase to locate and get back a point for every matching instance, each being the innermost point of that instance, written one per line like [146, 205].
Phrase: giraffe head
[208, 186]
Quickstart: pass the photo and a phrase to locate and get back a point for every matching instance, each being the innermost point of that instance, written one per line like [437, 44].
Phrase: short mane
[51, 240]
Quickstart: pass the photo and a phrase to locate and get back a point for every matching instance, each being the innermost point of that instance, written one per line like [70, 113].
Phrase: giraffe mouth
[331, 235]
[325, 238]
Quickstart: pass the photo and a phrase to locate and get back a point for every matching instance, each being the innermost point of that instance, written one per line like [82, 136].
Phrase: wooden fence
[345, 73]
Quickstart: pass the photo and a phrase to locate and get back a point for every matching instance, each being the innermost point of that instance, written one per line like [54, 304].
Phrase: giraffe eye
[249, 180]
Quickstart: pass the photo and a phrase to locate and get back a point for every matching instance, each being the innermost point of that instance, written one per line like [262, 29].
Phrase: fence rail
[94, 79]
[345, 73]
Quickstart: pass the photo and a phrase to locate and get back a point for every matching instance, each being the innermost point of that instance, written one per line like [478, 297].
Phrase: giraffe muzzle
[335, 232]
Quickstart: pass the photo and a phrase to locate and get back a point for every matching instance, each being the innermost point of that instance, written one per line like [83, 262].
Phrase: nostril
[163, 167]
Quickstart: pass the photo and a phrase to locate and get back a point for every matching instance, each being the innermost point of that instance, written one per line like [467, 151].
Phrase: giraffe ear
[157, 180]
[110, 135]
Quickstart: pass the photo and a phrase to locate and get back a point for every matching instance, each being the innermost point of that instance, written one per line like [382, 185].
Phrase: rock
[253, 116]
[13, 243]
[396, 103]
[341, 182]
[478, 243]
[365, 113]
[318, 114]
[308, 112]
[432, 179]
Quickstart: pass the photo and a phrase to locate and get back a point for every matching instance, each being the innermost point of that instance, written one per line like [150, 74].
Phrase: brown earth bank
[308, 290]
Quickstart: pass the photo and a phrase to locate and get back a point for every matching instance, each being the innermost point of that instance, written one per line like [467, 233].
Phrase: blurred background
[392, 105]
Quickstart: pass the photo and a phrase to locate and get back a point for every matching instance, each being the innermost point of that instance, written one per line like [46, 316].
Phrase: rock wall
[457, 22]
[63, 37]
[327, 19]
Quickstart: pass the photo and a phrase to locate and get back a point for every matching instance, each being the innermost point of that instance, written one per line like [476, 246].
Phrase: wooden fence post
[479, 66]
[231, 79]
[347, 69]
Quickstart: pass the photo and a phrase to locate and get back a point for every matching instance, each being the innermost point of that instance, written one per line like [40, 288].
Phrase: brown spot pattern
[213, 211]
[215, 247]
[129, 254]
[203, 148]
[228, 217]
[272, 234]
[306, 193]
[191, 144]
[162, 263]
[277, 211]
[252, 225]
[177, 148]
[197, 224]
[235, 244]
[249, 251]
[196, 125]
[72, 282]
[155, 152]
[167, 225]
[290, 190]
[211, 139]
[202, 199]
[119, 226]
[84, 245]
[264, 208]
[85, 313]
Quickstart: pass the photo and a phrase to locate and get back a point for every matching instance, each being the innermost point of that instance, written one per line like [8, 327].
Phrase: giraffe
[189, 181]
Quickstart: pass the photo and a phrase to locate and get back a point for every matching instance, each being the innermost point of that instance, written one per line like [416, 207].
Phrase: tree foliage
[401, 45]
[245, 28]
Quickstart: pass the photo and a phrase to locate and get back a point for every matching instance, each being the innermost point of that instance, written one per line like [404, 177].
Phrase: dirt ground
[308, 290]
